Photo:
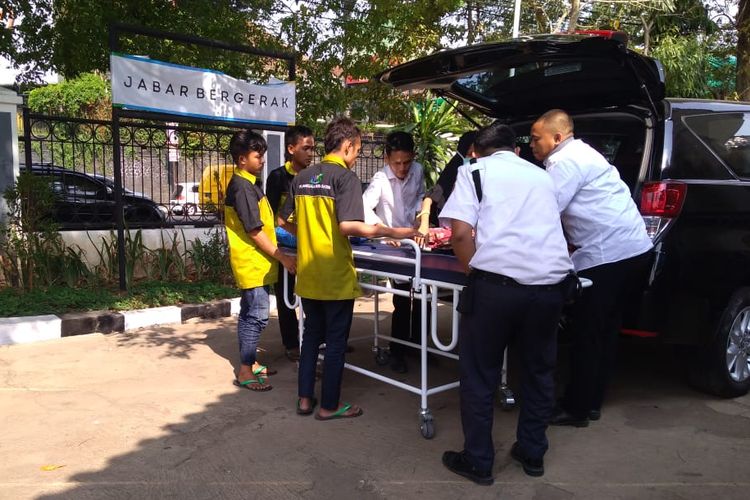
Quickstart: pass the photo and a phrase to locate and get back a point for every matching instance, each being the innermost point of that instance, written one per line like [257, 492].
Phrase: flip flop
[264, 371]
[308, 411]
[341, 413]
[253, 384]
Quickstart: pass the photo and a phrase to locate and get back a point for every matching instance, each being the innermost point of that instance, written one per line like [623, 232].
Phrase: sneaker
[457, 462]
[531, 466]
[595, 414]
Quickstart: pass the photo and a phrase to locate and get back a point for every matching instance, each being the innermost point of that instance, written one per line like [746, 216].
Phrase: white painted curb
[152, 317]
[24, 329]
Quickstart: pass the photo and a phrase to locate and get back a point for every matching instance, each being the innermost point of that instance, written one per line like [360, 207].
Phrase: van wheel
[191, 209]
[724, 369]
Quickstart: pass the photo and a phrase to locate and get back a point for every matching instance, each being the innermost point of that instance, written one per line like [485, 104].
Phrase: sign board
[144, 84]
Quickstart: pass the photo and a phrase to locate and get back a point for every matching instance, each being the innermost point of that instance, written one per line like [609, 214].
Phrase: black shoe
[398, 365]
[457, 462]
[595, 414]
[562, 417]
[531, 466]
[292, 354]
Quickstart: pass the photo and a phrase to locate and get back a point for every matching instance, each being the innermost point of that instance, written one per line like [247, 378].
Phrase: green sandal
[254, 384]
[308, 411]
[263, 371]
[341, 413]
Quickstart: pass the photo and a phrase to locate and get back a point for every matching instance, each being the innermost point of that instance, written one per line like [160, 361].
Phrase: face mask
[466, 159]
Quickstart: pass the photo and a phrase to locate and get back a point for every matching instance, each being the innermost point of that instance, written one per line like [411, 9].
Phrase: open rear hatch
[526, 77]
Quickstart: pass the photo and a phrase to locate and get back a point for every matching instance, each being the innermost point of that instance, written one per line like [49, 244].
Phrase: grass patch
[60, 299]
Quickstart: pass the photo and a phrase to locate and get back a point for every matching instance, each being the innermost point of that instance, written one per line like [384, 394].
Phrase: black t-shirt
[277, 187]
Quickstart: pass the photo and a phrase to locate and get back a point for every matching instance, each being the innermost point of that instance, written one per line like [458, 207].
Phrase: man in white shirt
[518, 265]
[393, 199]
[611, 247]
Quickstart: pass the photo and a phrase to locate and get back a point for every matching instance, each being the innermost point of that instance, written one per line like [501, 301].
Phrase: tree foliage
[340, 41]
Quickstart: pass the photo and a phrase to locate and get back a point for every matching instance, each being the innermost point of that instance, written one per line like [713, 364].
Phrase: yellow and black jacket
[322, 196]
[246, 208]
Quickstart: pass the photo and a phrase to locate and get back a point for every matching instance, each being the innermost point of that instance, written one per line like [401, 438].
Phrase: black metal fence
[177, 169]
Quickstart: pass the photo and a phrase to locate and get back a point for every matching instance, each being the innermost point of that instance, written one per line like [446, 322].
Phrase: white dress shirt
[518, 230]
[394, 202]
[598, 213]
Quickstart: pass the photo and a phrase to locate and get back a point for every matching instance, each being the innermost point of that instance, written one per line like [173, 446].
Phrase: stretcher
[432, 276]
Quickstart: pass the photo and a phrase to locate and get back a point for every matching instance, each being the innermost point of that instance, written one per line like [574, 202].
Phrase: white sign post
[145, 84]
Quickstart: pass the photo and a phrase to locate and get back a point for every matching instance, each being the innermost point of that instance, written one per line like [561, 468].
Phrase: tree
[743, 49]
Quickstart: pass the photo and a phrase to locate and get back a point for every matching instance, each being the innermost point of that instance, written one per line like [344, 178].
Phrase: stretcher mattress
[435, 266]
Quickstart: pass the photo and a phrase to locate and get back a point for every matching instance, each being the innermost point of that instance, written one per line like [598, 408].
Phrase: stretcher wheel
[507, 398]
[382, 357]
[427, 428]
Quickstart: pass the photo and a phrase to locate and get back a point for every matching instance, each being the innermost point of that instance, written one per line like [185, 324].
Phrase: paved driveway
[153, 414]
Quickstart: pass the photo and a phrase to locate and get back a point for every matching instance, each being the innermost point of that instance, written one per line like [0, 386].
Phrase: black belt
[501, 279]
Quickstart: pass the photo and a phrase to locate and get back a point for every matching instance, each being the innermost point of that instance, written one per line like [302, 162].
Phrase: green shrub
[87, 96]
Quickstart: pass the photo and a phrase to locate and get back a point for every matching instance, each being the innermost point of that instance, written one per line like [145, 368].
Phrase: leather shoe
[595, 414]
[292, 354]
[398, 365]
[531, 466]
[457, 462]
[562, 417]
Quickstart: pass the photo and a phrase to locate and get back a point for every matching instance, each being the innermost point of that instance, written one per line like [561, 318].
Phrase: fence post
[114, 45]
[27, 138]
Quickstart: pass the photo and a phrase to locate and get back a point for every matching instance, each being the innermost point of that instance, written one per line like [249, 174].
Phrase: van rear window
[728, 136]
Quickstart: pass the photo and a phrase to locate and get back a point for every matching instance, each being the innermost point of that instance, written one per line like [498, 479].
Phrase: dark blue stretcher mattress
[435, 266]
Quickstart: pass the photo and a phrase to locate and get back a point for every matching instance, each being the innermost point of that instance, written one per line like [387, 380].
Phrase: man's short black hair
[399, 141]
[338, 131]
[465, 141]
[493, 138]
[244, 141]
[295, 133]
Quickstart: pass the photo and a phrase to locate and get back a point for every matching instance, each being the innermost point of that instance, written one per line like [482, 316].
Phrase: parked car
[687, 163]
[85, 201]
[185, 199]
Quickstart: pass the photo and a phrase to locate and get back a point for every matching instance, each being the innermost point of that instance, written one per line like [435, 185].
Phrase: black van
[687, 163]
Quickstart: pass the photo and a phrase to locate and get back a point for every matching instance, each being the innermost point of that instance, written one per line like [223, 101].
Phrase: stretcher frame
[423, 289]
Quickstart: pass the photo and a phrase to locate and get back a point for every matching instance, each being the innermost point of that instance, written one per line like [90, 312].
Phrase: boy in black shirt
[300, 148]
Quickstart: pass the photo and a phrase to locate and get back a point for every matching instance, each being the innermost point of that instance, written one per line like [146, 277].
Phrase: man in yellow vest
[326, 200]
[252, 251]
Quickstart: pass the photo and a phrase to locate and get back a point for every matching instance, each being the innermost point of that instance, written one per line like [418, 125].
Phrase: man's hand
[289, 262]
[423, 233]
[401, 233]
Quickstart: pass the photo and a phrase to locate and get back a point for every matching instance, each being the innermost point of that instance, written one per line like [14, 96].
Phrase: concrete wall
[152, 239]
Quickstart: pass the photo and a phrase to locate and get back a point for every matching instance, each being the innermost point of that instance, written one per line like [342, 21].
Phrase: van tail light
[661, 203]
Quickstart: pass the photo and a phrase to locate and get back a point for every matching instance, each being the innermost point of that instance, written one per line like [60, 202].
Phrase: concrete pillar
[9, 103]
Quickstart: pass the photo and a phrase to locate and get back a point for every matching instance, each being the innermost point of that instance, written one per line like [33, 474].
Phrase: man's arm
[568, 180]
[273, 190]
[371, 199]
[267, 247]
[462, 242]
[358, 228]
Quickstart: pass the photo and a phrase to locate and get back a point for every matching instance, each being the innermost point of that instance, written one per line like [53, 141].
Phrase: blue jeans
[326, 321]
[252, 320]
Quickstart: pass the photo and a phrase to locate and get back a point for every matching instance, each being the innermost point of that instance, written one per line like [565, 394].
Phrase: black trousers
[288, 324]
[406, 321]
[595, 321]
[498, 314]
[326, 321]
